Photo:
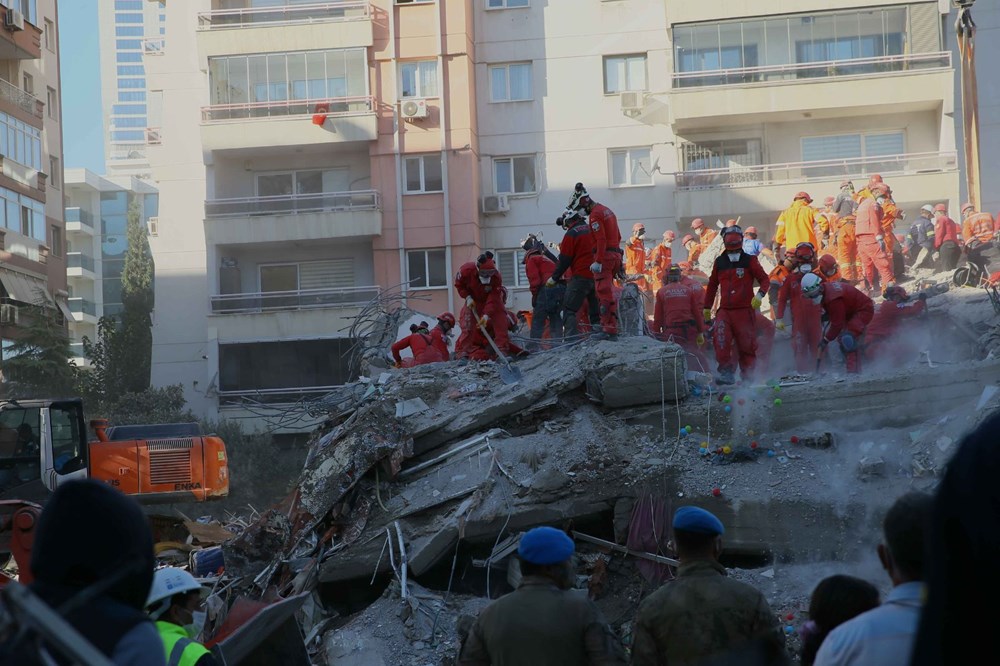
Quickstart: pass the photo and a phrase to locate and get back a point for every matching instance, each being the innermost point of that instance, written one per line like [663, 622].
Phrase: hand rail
[320, 12]
[331, 106]
[28, 102]
[300, 299]
[294, 203]
[82, 305]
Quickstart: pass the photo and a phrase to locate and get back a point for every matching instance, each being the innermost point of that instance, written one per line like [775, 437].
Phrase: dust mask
[733, 256]
[805, 268]
[198, 619]
[698, 231]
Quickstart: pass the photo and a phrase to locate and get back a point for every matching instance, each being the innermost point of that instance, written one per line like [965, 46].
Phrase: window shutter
[330, 274]
[925, 28]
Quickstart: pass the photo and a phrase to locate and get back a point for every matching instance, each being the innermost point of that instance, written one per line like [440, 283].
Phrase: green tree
[135, 343]
[38, 363]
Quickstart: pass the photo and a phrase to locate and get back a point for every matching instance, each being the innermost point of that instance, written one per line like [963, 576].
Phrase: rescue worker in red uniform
[421, 345]
[441, 334]
[576, 253]
[881, 336]
[946, 243]
[677, 314]
[764, 332]
[872, 246]
[848, 312]
[479, 282]
[733, 275]
[546, 302]
[807, 327]
[607, 260]
[828, 269]
[660, 259]
[636, 256]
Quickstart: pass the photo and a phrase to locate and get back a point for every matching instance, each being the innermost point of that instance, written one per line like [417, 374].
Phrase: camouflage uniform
[541, 625]
[701, 614]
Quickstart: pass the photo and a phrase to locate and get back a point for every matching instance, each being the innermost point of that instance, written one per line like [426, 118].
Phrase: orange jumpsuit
[868, 225]
[775, 280]
[890, 213]
[978, 226]
[826, 226]
[847, 248]
[796, 225]
[635, 261]
[661, 257]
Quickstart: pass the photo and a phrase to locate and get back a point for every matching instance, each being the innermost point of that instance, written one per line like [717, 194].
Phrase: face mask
[698, 231]
[642, 232]
[198, 619]
[816, 299]
[805, 268]
[734, 256]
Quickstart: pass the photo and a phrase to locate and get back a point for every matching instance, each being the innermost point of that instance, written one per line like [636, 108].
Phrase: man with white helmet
[848, 311]
[177, 604]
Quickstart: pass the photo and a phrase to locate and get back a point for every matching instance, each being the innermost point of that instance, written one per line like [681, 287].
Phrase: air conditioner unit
[632, 102]
[13, 20]
[8, 314]
[413, 109]
[153, 226]
[496, 204]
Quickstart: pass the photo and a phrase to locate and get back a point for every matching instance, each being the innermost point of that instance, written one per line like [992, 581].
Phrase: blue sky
[83, 132]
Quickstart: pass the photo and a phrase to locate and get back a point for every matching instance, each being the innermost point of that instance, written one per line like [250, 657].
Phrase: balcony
[286, 28]
[306, 313]
[79, 220]
[767, 188]
[153, 46]
[288, 123]
[77, 355]
[79, 264]
[13, 97]
[83, 310]
[710, 98]
[293, 218]
[23, 44]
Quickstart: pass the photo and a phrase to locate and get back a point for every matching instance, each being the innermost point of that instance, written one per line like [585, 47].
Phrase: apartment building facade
[316, 154]
[96, 242]
[32, 231]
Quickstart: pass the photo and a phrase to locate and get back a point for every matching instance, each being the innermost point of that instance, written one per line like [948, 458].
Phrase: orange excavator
[44, 443]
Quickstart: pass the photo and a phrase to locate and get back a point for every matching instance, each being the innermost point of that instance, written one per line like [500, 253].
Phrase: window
[858, 148]
[721, 154]
[22, 214]
[20, 443]
[128, 135]
[132, 96]
[128, 5]
[128, 31]
[510, 83]
[413, 2]
[128, 18]
[20, 142]
[290, 364]
[505, 4]
[126, 109]
[128, 44]
[26, 7]
[128, 122]
[630, 167]
[128, 56]
[50, 35]
[56, 241]
[510, 263]
[131, 83]
[425, 269]
[279, 277]
[28, 84]
[514, 175]
[624, 72]
[52, 103]
[131, 70]
[313, 181]
[418, 79]
[423, 174]
[55, 172]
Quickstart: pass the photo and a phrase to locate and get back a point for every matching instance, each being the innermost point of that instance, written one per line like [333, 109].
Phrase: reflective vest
[180, 649]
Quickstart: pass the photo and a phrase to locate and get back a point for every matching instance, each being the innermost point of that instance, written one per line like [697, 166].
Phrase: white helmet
[927, 208]
[812, 286]
[168, 582]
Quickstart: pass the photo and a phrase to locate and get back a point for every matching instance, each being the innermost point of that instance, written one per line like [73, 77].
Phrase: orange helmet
[880, 189]
[828, 265]
[828, 201]
[967, 206]
[875, 178]
[697, 223]
[940, 208]
[687, 238]
[637, 227]
[669, 235]
[803, 195]
[751, 231]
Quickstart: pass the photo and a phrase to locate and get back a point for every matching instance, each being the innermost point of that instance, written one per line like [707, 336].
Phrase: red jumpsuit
[488, 301]
[848, 310]
[440, 342]
[807, 328]
[867, 226]
[764, 330]
[733, 281]
[677, 316]
[607, 238]
[423, 348]
[880, 335]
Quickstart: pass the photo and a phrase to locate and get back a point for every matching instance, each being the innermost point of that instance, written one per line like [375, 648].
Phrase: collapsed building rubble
[427, 463]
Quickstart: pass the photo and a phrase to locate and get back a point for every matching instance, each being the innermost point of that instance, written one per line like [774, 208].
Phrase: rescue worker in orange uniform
[608, 258]
[828, 269]
[636, 256]
[704, 235]
[733, 275]
[421, 345]
[546, 302]
[873, 180]
[677, 314]
[946, 241]
[777, 278]
[890, 213]
[826, 225]
[690, 243]
[807, 328]
[660, 259]
[882, 340]
[978, 231]
[479, 283]
[872, 246]
[796, 224]
[848, 312]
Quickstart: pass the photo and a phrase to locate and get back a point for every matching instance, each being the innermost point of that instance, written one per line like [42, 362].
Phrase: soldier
[703, 615]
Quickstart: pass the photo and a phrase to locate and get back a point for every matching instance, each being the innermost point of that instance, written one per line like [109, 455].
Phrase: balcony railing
[302, 299]
[339, 106]
[799, 172]
[320, 12]
[82, 306]
[295, 203]
[275, 396]
[79, 260]
[813, 70]
[76, 350]
[28, 102]
[77, 214]
[153, 46]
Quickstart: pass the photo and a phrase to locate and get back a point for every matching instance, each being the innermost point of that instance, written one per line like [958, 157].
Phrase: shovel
[508, 373]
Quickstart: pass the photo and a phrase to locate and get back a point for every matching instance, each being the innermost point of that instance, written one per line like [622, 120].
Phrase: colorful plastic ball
[753, 445]
[789, 629]
[794, 439]
[728, 409]
[777, 401]
[688, 429]
[741, 401]
[728, 399]
[777, 388]
[790, 616]
[716, 492]
[727, 450]
[770, 453]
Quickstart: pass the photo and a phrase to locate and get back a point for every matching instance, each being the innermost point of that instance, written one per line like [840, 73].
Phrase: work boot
[726, 377]
[601, 335]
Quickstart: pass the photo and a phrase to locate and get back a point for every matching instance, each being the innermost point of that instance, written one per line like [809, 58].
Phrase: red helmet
[880, 189]
[895, 293]
[875, 178]
[803, 195]
[669, 235]
[447, 318]
[828, 265]
[685, 266]
[687, 238]
[637, 227]
[732, 238]
[805, 253]
[697, 223]
[966, 206]
[940, 208]
[751, 231]
[828, 201]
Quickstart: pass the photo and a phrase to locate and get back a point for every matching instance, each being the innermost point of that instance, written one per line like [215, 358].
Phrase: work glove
[707, 314]
[469, 301]
[756, 302]
[550, 283]
[596, 267]
[700, 340]
[935, 256]
[780, 325]
[881, 242]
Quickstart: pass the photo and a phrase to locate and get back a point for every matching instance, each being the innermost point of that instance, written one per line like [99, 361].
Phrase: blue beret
[693, 519]
[545, 545]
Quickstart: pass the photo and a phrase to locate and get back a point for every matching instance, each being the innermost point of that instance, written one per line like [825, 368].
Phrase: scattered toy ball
[770, 453]
[716, 492]
[727, 399]
[728, 409]
[688, 429]
[777, 401]
[790, 617]
[776, 388]
[741, 401]
[726, 450]
[789, 629]
[794, 439]
[753, 445]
